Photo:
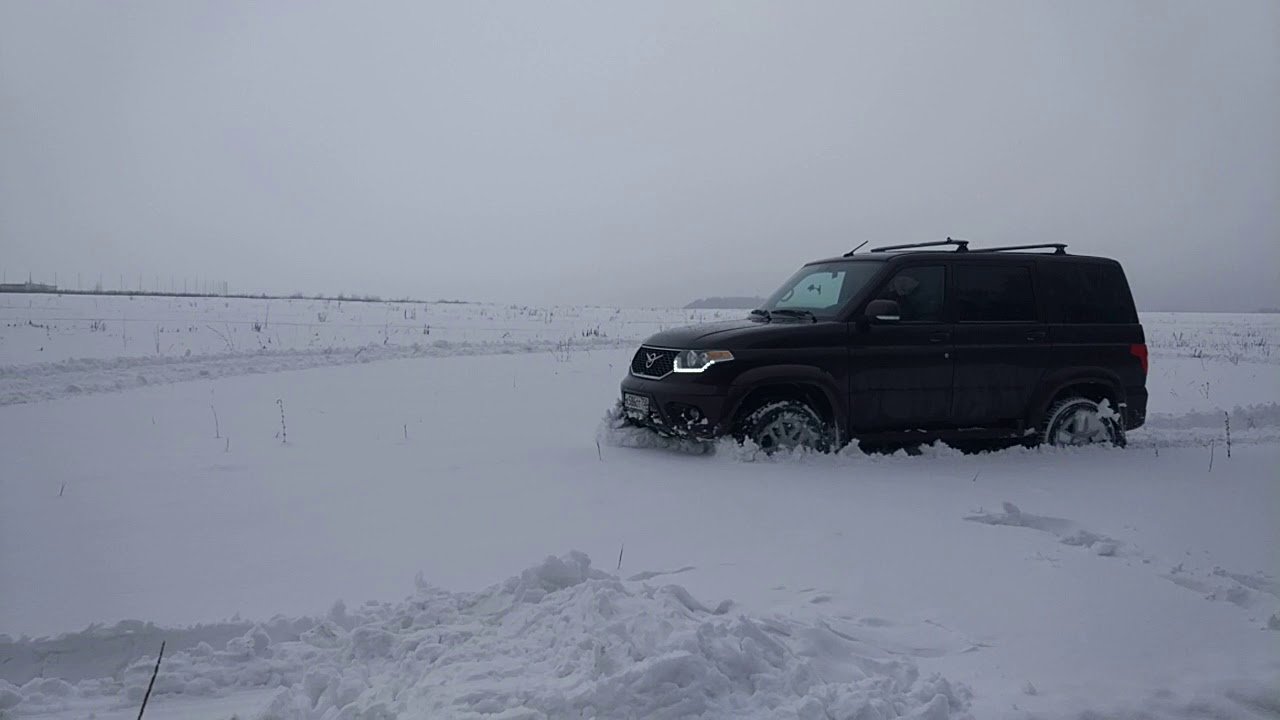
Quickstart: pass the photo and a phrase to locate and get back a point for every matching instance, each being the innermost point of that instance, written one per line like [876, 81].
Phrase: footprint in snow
[1256, 591]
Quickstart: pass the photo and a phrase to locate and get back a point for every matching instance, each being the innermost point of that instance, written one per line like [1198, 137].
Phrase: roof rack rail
[1058, 248]
[960, 245]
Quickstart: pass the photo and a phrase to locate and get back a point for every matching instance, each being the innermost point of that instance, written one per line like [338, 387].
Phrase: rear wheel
[787, 425]
[1081, 421]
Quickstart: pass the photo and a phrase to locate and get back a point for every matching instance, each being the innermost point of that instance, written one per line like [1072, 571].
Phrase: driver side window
[919, 292]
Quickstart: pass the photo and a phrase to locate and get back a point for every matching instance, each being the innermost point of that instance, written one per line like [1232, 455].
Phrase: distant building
[27, 287]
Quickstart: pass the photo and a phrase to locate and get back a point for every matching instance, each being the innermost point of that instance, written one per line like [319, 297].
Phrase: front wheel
[1081, 421]
[787, 425]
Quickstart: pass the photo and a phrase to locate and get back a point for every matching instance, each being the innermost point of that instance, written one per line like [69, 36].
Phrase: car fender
[765, 376]
[1056, 381]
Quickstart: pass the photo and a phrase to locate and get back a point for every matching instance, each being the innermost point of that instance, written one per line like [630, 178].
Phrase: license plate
[635, 404]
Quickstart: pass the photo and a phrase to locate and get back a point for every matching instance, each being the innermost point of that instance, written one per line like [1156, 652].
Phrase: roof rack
[1058, 248]
[960, 245]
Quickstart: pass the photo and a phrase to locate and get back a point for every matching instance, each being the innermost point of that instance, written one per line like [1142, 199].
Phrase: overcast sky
[636, 154]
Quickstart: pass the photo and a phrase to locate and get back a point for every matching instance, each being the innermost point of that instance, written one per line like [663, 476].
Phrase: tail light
[1140, 352]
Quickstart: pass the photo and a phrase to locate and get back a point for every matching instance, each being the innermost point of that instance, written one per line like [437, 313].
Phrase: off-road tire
[1070, 421]
[785, 425]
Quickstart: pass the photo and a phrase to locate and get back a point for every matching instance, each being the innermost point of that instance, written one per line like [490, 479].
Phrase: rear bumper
[1135, 409]
[679, 408]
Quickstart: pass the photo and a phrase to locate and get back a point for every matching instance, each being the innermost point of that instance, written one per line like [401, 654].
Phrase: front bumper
[678, 407]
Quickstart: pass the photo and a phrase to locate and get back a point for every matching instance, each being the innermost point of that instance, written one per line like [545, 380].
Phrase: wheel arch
[803, 382]
[1095, 384]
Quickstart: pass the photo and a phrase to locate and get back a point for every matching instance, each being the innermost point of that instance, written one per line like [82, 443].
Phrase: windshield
[822, 289]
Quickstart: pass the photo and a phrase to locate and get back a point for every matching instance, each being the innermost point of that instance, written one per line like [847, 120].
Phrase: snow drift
[559, 640]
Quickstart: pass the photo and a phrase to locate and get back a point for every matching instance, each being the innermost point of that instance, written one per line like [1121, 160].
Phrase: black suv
[908, 344]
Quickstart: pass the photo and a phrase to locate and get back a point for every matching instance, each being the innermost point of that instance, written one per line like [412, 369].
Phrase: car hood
[736, 334]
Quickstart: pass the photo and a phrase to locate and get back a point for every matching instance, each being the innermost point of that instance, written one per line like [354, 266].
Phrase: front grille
[653, 362]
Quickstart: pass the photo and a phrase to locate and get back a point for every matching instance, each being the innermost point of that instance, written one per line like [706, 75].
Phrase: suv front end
[676, 391]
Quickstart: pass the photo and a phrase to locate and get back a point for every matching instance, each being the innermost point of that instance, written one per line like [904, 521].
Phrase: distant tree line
[725, 303]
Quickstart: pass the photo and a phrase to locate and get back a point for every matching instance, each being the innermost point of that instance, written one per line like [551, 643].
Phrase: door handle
[1035, 336]
[939, 337]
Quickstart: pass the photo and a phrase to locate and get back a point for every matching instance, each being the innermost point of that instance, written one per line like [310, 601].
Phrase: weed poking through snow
[151, 684]
[284, 430]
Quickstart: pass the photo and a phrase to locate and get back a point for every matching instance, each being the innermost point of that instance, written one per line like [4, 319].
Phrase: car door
[900, 372]
[1000, 342]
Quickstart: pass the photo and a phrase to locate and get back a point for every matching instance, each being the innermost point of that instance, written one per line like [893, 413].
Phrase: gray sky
[646, 153]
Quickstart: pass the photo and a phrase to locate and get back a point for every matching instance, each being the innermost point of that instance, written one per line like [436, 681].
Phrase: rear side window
[1088, 293]
[993, 293]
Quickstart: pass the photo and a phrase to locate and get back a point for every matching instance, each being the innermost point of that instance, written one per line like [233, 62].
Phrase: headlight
[695, 361]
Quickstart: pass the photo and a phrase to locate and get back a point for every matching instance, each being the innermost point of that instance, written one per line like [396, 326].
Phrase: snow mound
[615, 431]
[559, 640]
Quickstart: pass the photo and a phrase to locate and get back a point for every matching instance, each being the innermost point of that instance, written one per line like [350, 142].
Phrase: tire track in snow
[1249, 417]
[51, 381]
[1259, 423]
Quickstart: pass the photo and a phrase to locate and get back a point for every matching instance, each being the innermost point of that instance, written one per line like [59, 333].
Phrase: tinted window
[919, 292]
[994, 293]
[1088, 293]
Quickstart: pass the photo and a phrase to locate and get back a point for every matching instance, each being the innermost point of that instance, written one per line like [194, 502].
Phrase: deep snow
[559, 640]
[1135, 581]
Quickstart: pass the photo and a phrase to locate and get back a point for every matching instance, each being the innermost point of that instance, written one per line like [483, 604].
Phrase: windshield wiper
[761, 312]
[797, 313]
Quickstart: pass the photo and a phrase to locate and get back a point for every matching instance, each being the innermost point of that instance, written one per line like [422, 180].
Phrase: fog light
[683, 414]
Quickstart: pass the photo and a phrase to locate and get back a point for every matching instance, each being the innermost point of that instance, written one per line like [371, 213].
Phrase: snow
[55, 346]
[559, 640]
[41, 329]
[1026, 583]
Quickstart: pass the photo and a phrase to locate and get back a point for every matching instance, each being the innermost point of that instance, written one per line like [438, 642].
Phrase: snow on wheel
[787, 425]
[1081, 421]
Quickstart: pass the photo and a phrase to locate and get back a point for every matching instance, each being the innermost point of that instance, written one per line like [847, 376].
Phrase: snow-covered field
[54, 328]
[387, 510]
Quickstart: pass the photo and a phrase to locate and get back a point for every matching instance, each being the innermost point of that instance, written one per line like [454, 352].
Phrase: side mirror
[883, 311]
